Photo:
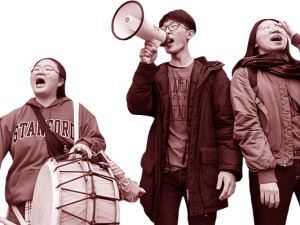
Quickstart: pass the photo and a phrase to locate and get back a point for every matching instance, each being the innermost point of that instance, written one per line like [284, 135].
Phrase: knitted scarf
[272, 62]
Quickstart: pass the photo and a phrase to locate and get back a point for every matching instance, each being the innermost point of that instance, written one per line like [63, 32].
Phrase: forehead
[168, 22]
[267, 23]
[46, 62]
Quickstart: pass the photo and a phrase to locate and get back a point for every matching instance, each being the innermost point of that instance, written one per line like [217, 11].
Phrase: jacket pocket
[263, 116]
[147, 164]
[209, 155]
[148, 183]
[209, 165]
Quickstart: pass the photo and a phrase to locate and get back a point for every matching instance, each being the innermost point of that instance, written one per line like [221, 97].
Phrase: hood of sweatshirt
[57, 102]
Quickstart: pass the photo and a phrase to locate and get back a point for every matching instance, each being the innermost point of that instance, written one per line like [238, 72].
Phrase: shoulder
[13, 116]
[84, 112]
[240, 78]
[240, 73]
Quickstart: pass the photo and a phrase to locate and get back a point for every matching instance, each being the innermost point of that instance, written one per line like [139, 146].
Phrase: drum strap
[27, 213]
[76, 121]
[55, 143]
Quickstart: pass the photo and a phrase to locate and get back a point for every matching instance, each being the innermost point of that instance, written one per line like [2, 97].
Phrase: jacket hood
[58, 101]
[215, 64]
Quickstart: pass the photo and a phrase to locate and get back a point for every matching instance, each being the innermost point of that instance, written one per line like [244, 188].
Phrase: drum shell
[55, 187]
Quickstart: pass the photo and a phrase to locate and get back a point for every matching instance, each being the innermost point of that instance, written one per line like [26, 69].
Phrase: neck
[181, 59]
[45, 101]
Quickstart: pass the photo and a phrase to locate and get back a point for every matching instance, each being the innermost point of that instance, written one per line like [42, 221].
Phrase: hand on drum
[83, 148]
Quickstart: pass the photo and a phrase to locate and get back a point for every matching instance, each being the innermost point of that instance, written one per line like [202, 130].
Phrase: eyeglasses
[46, 69]
[269, 28]
[173, 26]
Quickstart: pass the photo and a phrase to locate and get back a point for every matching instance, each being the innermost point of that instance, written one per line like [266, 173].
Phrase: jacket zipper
[293, 97]
[159, 137]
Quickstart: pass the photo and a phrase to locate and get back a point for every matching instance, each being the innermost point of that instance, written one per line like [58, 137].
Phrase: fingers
[228, 180]
[141, 192]
[277, 200]
[228, 190]
[149, 52]
[288, 29]
[262, 198]
[269, 195]
[150, 44]
[83, 148]
[272, 200]
[285, 24]
[146, 52]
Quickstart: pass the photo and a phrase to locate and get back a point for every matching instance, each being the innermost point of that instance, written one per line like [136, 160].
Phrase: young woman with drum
[265, 98]
[23, 135]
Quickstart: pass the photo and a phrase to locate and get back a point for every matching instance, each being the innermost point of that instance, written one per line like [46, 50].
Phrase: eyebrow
[170, 23]
[275, 24]
[45, 65]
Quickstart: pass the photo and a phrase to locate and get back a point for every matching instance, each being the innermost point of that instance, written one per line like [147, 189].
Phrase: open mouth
[276, 38]
[39, 81]
[171, 41]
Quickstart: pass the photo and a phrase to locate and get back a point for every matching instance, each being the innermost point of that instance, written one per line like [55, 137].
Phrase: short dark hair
[180, 16]
[63, 74]
[253, 51]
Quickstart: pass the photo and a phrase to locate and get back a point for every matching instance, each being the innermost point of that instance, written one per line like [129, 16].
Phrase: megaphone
[129, 21]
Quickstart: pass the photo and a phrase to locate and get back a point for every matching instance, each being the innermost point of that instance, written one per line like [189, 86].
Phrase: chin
[171, 51]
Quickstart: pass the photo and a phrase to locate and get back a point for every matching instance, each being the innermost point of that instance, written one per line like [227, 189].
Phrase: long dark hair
[63, 74]
[252, 50]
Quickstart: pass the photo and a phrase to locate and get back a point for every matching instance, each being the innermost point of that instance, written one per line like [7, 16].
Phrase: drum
[73, 192]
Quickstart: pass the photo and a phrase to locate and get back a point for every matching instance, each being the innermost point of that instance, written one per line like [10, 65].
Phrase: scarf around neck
[272, 62]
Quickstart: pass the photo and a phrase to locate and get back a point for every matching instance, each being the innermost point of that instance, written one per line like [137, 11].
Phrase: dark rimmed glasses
[46, 69]
[173, 26]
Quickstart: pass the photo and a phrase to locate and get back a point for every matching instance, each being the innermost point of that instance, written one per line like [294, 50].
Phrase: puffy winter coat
[259, 117]
[210, 127]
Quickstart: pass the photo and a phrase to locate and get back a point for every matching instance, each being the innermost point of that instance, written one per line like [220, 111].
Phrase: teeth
[276, 38]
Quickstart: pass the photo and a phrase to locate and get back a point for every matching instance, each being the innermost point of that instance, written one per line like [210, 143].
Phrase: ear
[190, 34]
[61, 82]
[256, 45]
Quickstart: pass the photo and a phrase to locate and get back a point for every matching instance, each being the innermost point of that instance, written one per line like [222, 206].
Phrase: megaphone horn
[129, 21]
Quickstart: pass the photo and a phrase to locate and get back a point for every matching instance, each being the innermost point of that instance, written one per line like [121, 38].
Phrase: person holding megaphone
[190, 151]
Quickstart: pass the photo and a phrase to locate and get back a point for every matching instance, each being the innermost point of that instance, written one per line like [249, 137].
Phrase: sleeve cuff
[266, 176]
[83, 142]
[233, 172]
[147, 67]
[147, 70]
[295, 40]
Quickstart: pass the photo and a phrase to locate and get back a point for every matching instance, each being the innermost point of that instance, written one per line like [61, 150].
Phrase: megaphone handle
[156, 43]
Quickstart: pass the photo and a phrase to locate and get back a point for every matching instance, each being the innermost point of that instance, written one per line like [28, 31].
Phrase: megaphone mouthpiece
[166, 42]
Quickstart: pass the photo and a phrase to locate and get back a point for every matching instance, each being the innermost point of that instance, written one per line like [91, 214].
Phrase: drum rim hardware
[93, 196]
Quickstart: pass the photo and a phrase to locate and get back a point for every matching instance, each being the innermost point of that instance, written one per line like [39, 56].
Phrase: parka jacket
[211, 147]
[259, 117]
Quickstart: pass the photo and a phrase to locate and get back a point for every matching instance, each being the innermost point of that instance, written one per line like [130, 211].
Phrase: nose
[41, 71]
[277, 29]
[168, 30]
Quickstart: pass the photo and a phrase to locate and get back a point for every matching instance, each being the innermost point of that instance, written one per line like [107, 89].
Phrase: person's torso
[278, 103]
[179, 82]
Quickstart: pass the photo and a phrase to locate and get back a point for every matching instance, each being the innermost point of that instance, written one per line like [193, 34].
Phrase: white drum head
[46, 197]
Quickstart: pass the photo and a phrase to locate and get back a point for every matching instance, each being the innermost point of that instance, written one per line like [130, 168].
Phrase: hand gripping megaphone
[129, 21]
